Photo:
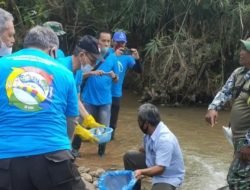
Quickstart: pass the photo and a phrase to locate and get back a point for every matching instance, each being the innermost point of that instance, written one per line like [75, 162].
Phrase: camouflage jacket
[227, 92]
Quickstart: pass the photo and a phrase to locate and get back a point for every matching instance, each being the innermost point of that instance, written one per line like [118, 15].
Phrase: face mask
[144, 130]
[104, 50]
[4, 50]
[86, 68]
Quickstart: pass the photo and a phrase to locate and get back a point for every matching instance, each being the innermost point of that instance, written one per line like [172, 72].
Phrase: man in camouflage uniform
[237, 88]
[58, 29]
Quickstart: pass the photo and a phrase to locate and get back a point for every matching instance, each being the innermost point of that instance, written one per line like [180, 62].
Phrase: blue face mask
[104, 50]
[86, 68]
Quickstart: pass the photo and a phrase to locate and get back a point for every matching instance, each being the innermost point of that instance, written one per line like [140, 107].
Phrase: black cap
[89, 44]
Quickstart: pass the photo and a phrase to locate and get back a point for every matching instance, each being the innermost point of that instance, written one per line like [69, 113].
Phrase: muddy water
[206, 152]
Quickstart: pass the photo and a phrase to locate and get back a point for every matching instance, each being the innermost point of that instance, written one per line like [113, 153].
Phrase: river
[206, 152]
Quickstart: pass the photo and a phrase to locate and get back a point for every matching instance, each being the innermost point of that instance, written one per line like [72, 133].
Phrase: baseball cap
[89, 44]
[120, 37]
[56, 27]
[246, 44]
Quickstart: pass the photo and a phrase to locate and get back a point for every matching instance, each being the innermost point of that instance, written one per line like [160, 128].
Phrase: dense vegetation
[189, 47]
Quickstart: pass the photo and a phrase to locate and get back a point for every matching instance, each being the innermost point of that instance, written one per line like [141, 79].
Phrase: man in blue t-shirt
[160, 157]
[129, 59]
[96, 93]
[37, 95]
[86, 52]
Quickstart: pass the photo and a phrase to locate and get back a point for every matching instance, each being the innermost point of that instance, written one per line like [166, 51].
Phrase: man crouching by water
[161, 156]
[36, 95]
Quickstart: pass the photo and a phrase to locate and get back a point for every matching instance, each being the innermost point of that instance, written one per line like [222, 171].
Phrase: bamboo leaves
[187, 45]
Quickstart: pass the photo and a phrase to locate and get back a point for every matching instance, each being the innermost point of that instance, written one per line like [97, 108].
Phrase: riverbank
[206, 151]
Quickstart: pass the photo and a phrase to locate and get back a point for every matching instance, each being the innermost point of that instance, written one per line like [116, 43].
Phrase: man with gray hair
[37, 94]
[7, 32]
[160, 157]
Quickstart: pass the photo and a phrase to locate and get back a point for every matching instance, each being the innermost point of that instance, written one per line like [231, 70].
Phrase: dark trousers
[115, 108]
[52, 171]
[134, 160]
[163, 186]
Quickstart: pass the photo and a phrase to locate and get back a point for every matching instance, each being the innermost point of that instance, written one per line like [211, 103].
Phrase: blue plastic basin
[103, 134]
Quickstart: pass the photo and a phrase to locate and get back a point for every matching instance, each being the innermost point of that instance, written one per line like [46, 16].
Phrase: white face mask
[4, 50]
[86, 68]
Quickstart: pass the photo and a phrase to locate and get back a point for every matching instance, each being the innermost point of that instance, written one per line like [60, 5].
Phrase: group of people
[37, 95]
[49, 101]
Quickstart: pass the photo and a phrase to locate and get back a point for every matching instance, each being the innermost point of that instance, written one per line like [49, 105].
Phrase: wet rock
[89, 186]
[90, 177]
[95, 183]
[99, 172]
[83, 169]
[87, 177]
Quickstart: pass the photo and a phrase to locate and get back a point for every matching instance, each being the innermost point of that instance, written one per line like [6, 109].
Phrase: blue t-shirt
[124, 63]
[97, 89]
[162, 149]
[67, 62]
[59, 54]
[36, 95]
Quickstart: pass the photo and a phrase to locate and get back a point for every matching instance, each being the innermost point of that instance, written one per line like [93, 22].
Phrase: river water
[206, 152]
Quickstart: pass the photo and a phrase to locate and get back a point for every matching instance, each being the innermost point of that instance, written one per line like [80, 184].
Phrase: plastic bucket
[103, 134]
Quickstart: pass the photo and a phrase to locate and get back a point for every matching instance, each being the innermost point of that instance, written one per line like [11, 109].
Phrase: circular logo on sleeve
[29, 88]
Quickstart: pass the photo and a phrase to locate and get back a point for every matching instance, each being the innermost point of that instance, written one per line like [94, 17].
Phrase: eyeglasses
[52, 52]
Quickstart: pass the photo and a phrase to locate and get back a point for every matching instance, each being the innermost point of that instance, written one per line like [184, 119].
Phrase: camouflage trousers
[238, 176]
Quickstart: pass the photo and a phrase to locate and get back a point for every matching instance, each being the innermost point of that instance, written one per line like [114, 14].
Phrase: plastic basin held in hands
[103, 134]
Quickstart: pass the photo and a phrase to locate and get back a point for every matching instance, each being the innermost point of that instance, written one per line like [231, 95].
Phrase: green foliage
[33, 15]
[2, 3]
[154, 46]
[187, 45]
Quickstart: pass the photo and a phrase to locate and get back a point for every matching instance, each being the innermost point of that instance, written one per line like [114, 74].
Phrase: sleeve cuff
[213, 107]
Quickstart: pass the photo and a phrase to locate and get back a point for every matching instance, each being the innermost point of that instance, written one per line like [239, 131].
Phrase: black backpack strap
[238, 91]
[94, 69]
